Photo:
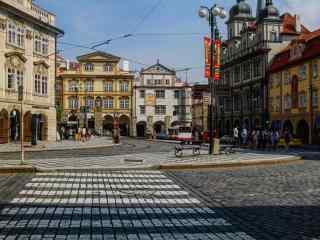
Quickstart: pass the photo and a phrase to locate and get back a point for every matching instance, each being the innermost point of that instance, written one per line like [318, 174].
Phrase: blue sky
[88, 21]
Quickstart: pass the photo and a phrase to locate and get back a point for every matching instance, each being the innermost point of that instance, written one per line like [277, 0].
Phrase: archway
[236, 123]
[288, 126]
[27, 127]
[303, 131]
[107, 125]
[91, 123]
[159, 127]
[15, 125]
[141, 129]
[246, 124]
[228, 127]
[43, 128]
[124, 123]
[4, 127]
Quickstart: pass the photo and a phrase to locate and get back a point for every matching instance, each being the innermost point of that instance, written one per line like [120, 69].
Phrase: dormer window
[108, 67]
[88, 67]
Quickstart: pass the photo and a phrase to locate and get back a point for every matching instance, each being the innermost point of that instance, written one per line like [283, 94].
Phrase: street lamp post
[211, 15]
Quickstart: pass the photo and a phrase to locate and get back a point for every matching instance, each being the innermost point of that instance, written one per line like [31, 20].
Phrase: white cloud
[307, 9]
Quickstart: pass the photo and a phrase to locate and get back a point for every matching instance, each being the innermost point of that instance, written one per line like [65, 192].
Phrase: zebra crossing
[111, 205]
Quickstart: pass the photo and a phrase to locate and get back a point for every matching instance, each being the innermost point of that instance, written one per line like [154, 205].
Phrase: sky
[90, 21]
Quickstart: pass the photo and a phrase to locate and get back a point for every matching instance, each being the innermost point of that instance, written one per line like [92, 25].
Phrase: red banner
[217, 60]
[207, 46]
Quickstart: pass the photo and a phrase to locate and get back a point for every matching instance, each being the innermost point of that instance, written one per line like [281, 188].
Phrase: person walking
[287, 138]
[244, 136]
[236, 135]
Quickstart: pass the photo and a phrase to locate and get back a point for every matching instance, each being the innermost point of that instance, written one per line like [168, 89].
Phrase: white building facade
[27, 65]
[160, 101]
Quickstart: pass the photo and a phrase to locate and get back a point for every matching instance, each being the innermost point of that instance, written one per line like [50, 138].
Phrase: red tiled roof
[289, 24]
[312, 49]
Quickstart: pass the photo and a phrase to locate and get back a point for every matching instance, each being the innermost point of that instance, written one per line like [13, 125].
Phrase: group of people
[82, 134]
[261, 139]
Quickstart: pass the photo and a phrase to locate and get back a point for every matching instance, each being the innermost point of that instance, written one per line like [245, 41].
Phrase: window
[176, 94]
[142, 93]
[315, 98]
[73, 86]
[108, 87]
[124, 87]
[124, 103]
[160, 109]
[273, 36]
[149, 82]
[287, 102]
[15, 78]
[302, 100]
[142, 110]
[286, 77]
[237, 74]
[88, 67]
[15, 35]
[89, 102]
[167, 81]
[108, 67]
[303, 72]
[44, 85]
[41, 84]
[88, 86]
[315, 70]
[37, 84]
[108, 103]
[37, 44]
[160, 94]
[45, 45]
[73, 103]
[278, 104]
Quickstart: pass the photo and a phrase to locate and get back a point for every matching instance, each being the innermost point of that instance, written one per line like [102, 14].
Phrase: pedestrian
[287, 138]
[84, 134]
[244, 136]
[274, 139]
[259, 139]
[236, 135]
[253, 138]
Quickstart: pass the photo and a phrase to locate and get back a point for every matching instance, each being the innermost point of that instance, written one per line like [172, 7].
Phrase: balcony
[33, 10]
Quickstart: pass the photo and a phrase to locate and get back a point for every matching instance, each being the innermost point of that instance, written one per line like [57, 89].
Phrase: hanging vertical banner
[207, 46]
[217, 60]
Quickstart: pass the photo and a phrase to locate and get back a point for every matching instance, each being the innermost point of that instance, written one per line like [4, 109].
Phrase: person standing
[244, 136]
[236, 135]
[287, 138]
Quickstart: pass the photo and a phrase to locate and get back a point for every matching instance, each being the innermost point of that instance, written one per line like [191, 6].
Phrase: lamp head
[203, 12]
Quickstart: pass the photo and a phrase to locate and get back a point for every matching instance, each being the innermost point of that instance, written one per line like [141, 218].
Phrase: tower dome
[241, 10]
[270, 11]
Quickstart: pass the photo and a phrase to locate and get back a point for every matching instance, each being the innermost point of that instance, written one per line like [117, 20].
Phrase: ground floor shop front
[38, 123]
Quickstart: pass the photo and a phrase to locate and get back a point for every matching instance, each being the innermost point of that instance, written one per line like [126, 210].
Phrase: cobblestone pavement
[94, 142]
[128, 146]
[112, 205]
[282, 201]
[145, 160]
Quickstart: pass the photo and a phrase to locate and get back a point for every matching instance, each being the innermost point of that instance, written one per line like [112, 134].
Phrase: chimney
[298, 24]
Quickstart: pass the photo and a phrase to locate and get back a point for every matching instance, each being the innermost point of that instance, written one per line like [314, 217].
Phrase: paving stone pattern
[282, 201]
[111, 205]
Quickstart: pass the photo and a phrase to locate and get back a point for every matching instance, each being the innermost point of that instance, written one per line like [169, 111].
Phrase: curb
[30, 150]
[244, 163]
[182, 166]
[18, 169]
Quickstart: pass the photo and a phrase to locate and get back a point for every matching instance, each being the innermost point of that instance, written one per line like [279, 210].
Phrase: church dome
[241, 9]
[270, 12]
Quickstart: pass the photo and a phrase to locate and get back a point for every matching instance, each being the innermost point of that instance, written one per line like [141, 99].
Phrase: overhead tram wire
[134, 30]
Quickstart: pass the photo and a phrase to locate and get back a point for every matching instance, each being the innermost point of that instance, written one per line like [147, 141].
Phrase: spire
[261, 5]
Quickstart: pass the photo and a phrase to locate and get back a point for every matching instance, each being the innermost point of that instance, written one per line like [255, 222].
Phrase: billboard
[207, 48]
[217, 60]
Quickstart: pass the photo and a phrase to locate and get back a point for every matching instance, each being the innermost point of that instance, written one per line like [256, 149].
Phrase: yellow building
[96, 92]
[28, 36]
[294, 88]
